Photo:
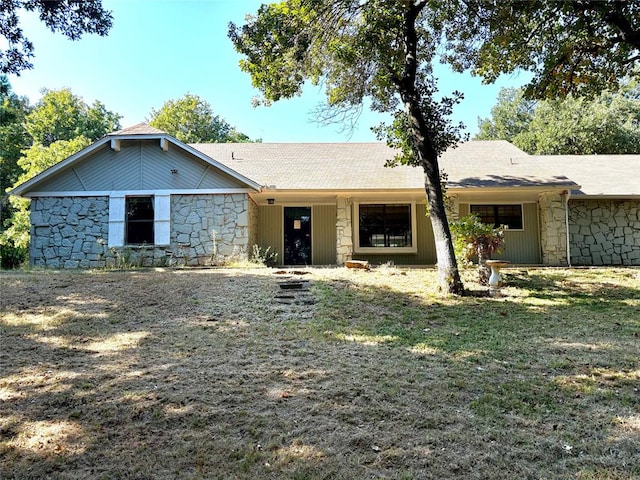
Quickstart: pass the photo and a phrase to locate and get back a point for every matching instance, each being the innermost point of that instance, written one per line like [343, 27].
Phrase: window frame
[413, 248]
[148, 222]
[495, 205]
[118, 219]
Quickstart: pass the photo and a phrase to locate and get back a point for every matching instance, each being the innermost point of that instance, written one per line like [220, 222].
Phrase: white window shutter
[116, 221]
[162, 220]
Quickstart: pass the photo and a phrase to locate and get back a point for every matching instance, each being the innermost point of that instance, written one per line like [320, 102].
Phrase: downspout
[566, 220]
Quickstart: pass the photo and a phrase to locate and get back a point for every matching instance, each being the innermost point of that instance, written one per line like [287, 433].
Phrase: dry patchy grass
[201, 374]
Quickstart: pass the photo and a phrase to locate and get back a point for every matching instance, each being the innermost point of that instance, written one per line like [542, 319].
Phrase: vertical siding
[524, 247]
[323, 231]
[426, 240]
[270, 229]
[521, 247]
[139, 165]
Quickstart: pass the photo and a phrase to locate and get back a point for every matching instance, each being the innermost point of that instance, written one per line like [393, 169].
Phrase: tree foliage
[382, 50]
[571, 46]
[61, 115]
[510, 116]
[190, 119]
[72, 18]
[59, 125]
[13, 136]
[13, 139]
[606, 124]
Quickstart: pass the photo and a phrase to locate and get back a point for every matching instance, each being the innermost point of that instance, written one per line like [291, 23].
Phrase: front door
[297, 235]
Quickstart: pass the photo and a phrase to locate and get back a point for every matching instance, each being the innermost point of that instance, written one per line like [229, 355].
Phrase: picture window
[385, 226]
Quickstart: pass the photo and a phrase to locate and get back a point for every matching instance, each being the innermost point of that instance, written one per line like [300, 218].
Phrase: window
[139, 227]
[382, 227]
[139, 219]
[496, 215]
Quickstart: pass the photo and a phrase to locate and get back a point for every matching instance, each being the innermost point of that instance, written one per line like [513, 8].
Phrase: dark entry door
[297, 235]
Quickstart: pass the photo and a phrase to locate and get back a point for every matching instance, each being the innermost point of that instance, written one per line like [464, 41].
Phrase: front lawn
[186, 374]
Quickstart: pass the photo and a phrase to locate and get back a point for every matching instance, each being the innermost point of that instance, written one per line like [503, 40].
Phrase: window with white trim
[385, 228]
[139, 220]
[498, 215]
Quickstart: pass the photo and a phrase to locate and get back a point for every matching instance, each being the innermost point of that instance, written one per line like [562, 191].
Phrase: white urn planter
[495, 280]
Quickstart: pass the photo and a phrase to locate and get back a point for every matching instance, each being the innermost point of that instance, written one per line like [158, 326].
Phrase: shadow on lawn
[560, 349]
[544, 306]
[97, 373]
[144, 375]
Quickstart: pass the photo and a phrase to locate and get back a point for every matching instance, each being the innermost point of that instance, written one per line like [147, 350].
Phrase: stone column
[553, 229]
[344, 231]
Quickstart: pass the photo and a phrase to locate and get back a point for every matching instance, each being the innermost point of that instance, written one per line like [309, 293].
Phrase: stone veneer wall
[604, 232]
[344, 232]
[71, 232]
[194, 219]
[553, 229]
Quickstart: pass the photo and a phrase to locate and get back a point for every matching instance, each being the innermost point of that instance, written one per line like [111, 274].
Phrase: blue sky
[161, 49]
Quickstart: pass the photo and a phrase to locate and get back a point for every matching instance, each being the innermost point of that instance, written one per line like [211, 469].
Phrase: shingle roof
[497, 164]
[360, 166]
[315, 166]
[598, 175]
[139, 129]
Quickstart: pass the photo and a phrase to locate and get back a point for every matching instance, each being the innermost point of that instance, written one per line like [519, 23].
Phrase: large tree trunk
[448, 273]
[425, 148]
[449, 276]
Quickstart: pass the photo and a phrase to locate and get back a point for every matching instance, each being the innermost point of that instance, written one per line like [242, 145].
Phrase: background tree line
[608, 123]
[35, 137]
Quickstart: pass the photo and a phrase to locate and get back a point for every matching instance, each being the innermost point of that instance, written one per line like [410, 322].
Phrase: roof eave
[26, 186]
[602, 196]
[21, 189]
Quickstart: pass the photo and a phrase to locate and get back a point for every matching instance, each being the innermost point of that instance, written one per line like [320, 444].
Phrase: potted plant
[476, 240]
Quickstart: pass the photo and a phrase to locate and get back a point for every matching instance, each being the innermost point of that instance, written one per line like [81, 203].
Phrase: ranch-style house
[141, 194]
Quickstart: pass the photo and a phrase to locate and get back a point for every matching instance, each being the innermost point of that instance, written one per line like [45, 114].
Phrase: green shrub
[264, 256]
[12, 256]
[474, 240]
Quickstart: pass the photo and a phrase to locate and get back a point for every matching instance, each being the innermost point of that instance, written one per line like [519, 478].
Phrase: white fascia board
[20, 189]
[122, 193]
